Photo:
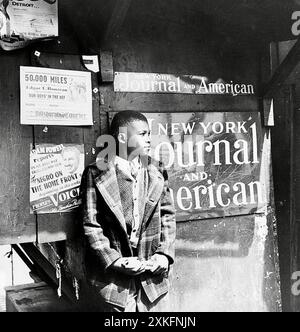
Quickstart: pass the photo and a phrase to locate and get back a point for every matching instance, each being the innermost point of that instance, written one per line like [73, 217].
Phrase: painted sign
[55, 176]
[56, 97]
[22, 21]
[213, 160]
[184, 84]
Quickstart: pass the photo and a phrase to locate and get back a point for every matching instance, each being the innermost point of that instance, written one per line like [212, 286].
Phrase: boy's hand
[160, 265]
[129, 265]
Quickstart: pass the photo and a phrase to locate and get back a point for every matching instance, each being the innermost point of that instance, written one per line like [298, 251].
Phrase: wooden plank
[106, 65]
[117, 18]
[274, 57]
[176, 103]
[17, 225]
[284, 48]
[48, 269]
[271, 281]
[295, 301]
[35, 298]
[282, 151]
[283, 72]
[295, 194]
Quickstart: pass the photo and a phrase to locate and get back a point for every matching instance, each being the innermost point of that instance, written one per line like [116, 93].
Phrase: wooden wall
[17, 225]
[153, 39]
[206, 276]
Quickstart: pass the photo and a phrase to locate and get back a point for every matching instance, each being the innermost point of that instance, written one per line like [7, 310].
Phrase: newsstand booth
[200, 74]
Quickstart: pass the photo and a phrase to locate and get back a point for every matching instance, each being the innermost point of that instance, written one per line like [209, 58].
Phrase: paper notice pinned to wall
[24, 21]
[56, 97]
[55, 176]
[91, 62]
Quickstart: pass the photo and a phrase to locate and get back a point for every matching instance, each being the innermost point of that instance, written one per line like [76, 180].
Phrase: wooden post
[106, 67]
[283, 72]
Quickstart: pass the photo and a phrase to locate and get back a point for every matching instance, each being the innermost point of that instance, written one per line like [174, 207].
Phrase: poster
[214, 161]
[55, 176]
[56, 97]
[179, 84]
[23, 21]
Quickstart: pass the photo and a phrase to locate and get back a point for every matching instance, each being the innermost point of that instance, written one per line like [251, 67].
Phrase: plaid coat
[106, 237]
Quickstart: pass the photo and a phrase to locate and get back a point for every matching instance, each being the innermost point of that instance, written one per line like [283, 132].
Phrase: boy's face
[138, 139]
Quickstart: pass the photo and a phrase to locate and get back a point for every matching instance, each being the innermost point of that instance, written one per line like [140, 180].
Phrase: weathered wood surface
[117, 18]
[225, 265]
[35, 298]
[295, 224]
[106, 67]
[282, 142]
[17, 225]
[282, 72]
[286, 170]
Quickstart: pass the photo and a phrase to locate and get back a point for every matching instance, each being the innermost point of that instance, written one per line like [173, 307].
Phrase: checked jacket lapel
[156, 186]
[107, 184]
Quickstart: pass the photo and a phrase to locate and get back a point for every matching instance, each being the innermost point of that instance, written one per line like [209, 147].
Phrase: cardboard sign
[213, 161]
[181, 84]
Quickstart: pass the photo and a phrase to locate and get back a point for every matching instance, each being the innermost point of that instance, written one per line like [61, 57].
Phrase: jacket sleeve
[97, 242]
[168, 222]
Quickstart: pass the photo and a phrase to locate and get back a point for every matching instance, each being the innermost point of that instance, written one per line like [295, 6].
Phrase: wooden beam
[274, 57]
[106, 66]
[294, 196]
[42, 264]
[117, 18]
[282, 73]
[35, 298]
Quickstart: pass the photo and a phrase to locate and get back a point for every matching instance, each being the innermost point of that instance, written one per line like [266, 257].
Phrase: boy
[129, 223]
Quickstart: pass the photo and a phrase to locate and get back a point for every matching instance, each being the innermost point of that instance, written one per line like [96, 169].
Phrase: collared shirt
[133, 169]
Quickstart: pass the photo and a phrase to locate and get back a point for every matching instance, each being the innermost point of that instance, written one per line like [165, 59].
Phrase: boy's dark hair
[123, 119]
